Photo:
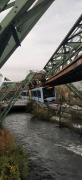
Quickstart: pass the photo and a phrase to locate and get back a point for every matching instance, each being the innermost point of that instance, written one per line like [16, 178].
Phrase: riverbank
[69, 116]
[64, 115]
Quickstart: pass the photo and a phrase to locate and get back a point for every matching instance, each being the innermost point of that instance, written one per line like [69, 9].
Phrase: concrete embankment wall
[69, 116]
[64, 115]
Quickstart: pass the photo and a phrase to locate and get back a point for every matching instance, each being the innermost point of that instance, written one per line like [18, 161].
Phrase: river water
[54, 153]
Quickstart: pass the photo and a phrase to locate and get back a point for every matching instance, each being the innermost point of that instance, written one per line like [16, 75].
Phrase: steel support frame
[7, 91]
[3, 3]
[74, 90]
[8, 6]
[22, 24]
[67, 50]
[24, 84]
[18, 7]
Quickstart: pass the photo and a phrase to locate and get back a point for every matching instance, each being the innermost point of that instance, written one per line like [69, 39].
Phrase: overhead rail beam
[71, 73]
[23, 17]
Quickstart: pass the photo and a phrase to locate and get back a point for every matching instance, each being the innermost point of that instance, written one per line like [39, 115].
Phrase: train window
[48, 92]
[35, 93]
[23, 93]
[39, 93]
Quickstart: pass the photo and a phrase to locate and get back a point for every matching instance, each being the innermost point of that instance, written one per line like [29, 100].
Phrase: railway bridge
[64, 66]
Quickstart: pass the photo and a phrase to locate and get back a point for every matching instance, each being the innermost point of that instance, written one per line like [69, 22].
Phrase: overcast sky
[43, 39]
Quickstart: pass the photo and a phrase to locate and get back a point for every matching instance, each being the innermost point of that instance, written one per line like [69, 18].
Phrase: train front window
[48, 92]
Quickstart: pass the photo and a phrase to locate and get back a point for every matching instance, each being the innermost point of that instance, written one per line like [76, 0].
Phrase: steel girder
[24, 84]
[10, 87]
[74, 90]
[67, 51]
[18, 23]
[10, 5]
[3, 3]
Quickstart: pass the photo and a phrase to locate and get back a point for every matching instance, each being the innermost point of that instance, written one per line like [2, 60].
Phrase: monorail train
[41, 94]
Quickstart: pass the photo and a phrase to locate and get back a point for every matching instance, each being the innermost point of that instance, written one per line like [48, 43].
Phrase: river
[54, 153]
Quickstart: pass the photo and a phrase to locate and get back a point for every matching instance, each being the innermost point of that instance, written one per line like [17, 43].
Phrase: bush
[13, 160]
[41, 113]
[8, 171]
[19, 158]
[7, 141]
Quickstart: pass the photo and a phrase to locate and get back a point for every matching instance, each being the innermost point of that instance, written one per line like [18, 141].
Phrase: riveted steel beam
[4, 39]
[25, 29]
[74, 45]
[8, 6]
[58, 65]
[69, 49]
[7, 91]
[27, 15]
[6, 24]
[24, 84]
[69, 44]
[74, 90]
[18, 8]
[71, 73]
[15, 35]
[3, 3]
[80, 26]
[55, 63]
[75, 35]
[62, 54]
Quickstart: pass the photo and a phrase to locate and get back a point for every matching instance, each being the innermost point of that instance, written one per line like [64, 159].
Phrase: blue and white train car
[25, 94]
[44, 94]
[37, 94]
[41, 94]
[49, 94]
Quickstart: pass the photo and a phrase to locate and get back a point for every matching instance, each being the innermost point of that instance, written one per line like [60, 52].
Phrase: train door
[40, 94]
